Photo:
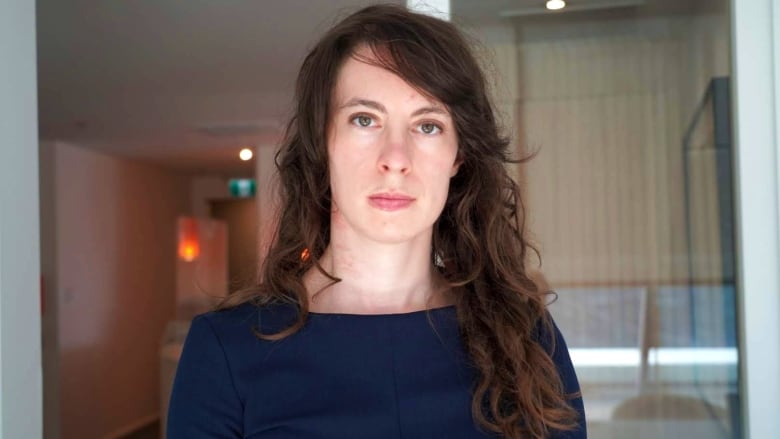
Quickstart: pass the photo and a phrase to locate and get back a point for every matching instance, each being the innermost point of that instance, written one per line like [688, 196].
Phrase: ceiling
[186, 84]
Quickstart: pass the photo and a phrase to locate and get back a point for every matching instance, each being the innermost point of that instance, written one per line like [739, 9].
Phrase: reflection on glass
[629, 198]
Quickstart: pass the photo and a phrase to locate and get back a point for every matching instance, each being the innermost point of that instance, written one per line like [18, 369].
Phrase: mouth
[390, 201]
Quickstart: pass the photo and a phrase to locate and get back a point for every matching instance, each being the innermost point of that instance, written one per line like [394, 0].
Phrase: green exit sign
[242, 187]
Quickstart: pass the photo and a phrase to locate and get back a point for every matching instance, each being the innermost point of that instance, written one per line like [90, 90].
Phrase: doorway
[240, 215]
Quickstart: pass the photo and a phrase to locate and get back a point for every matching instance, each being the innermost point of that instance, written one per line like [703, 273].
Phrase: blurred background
[148, 213]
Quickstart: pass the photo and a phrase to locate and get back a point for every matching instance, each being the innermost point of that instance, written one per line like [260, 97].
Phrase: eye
[362, 120]
[429, 128]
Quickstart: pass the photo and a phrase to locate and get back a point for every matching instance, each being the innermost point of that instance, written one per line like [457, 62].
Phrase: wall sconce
[189, 241]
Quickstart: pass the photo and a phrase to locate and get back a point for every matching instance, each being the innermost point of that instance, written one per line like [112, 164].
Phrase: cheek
[343, 181]
[444, 191]
[444, 175]
[441, 167]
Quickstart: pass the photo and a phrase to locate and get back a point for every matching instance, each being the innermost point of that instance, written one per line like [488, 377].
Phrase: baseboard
[133, 426]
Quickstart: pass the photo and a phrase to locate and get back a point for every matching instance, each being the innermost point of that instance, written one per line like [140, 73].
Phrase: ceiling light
[245, 154]
[554, 5]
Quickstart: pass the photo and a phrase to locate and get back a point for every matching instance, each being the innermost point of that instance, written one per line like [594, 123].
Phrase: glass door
[629, 198]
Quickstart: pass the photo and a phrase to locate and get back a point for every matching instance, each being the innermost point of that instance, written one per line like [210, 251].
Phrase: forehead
[363, 75]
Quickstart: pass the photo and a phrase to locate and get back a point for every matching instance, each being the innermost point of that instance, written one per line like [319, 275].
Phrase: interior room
[149, 213]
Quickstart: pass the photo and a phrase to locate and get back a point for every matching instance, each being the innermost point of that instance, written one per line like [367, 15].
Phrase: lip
[390, 201]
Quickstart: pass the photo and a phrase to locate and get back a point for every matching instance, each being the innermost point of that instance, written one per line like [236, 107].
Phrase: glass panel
[629, 198]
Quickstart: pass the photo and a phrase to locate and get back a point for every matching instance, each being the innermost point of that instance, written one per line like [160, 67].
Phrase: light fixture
[555, 5]
[189, 241]
[245, 154]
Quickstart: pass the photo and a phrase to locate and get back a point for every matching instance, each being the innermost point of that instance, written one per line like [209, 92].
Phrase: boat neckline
[399, 314]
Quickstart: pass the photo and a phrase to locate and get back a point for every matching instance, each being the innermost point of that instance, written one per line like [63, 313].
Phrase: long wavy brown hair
[480, 236]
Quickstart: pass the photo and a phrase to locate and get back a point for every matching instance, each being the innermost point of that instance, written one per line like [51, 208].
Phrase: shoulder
[226, 343]
[234, 317]
[551, 338]
[240, 324]
[556, 344]
[547, 334]
[208, 396]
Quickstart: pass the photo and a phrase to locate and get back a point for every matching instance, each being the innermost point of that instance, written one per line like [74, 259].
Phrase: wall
[241, 218]
[756, 30]
[606, 102]
[496, 49]
[20, 325]
[706, 56]
[266, 198]
[205, 188]
[201, 283]
[113, 278]
[597, 100]
[209, 192]
[707, 47]
[49, 320]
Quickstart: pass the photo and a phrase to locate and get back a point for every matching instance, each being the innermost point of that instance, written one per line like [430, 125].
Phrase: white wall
[113, 248]
[20, 348]
[756, 44]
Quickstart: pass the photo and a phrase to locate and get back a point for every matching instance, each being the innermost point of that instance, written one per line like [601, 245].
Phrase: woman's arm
[204, 401]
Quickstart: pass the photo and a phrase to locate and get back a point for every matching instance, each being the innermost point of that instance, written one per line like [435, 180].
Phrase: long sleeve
[204, 401]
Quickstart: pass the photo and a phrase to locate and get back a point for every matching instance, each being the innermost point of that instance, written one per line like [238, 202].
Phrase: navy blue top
[341, 376]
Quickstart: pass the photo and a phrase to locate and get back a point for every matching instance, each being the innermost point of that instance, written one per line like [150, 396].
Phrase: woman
[394, 300]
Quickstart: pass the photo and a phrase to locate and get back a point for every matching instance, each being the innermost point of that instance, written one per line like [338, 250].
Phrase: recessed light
[245, 154]
[555, 5]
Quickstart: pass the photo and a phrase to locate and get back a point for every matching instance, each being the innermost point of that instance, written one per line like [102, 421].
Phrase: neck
[376, 278]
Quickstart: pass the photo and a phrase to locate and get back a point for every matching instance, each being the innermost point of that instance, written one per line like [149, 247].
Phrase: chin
[394, 234]
[382, 229]
[390, 237]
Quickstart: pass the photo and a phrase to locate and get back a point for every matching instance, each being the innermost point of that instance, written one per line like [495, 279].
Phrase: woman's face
[392, 152]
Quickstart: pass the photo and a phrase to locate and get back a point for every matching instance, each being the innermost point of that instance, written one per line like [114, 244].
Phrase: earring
[437, 261]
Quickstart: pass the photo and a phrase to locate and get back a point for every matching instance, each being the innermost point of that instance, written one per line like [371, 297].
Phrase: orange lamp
[189, 242]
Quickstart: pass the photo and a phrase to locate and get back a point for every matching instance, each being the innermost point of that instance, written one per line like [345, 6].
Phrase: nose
[395, 154]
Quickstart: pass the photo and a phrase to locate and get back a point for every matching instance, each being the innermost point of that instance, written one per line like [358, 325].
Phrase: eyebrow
[356, 102]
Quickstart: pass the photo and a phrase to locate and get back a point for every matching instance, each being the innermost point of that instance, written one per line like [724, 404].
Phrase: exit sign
[242, 187]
